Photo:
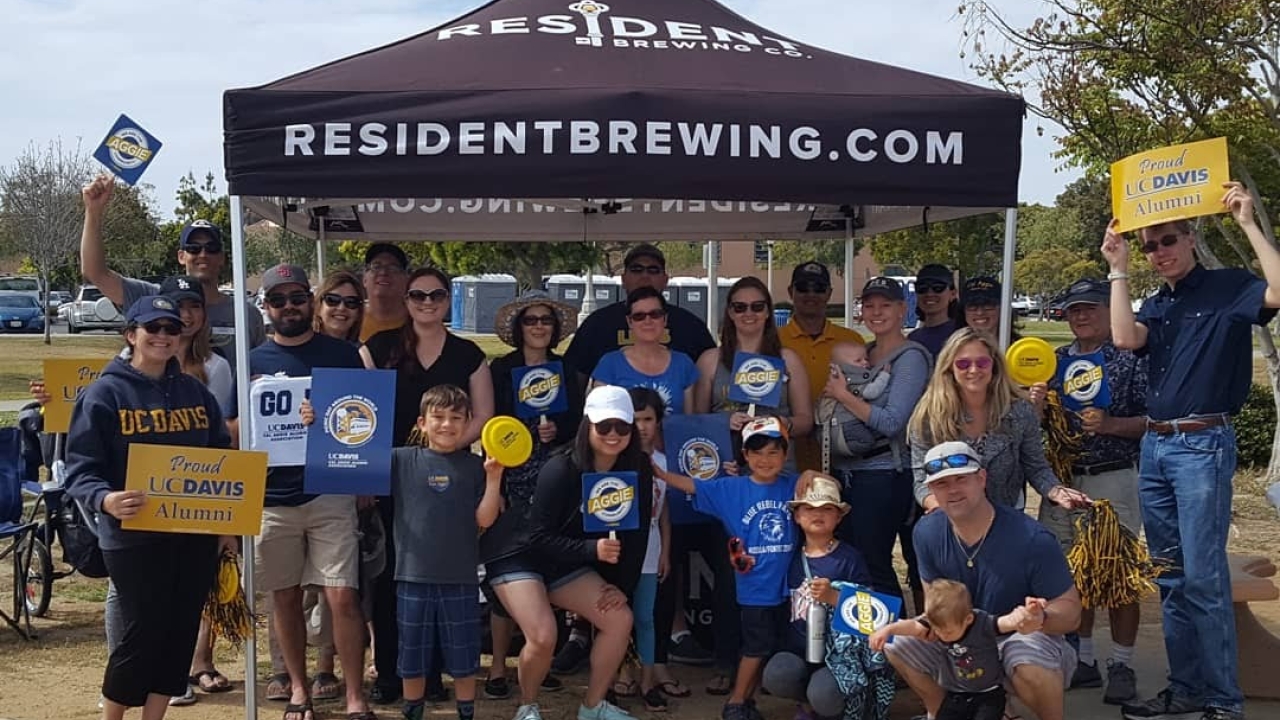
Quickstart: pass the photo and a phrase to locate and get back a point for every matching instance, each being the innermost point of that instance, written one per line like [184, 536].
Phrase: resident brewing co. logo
[593, 26]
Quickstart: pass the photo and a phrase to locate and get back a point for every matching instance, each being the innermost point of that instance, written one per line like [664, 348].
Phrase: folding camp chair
[18, 537]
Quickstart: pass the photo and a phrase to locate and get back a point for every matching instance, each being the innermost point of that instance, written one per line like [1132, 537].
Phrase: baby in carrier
[850, 437]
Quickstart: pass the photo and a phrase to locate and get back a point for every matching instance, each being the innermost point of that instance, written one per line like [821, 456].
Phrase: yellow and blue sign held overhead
[127, 150]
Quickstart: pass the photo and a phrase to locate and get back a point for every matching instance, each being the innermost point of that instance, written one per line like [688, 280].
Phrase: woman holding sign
[162, 579]
[558, 562]
[534, 324]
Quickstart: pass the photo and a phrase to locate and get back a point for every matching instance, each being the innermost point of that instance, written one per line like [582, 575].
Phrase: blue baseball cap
[152, 307]
[200, 226]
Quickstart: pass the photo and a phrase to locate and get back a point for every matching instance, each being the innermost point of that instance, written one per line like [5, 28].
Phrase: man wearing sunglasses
[1006, 560]
[1112, 421]
[606, 329]
[1195, 332]
[201, 253]
[811, 336]
[386, 278]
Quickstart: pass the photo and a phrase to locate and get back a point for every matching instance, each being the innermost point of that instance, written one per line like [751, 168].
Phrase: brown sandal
[279, 688]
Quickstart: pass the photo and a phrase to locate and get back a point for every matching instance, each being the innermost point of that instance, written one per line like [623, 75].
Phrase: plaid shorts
[439, 617]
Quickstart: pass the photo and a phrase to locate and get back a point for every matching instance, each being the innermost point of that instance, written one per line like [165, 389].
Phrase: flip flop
[279, 688]
[720, 685]
[218, 683]
[365, 715]
[625, 688]
[673, 688]
[303, 711]
[326, 686]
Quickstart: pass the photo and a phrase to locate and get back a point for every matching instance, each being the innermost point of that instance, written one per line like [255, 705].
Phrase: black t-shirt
[284, 484]
[605, 330]
[458, 359]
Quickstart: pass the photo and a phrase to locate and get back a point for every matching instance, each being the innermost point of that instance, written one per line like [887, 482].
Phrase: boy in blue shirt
[754, 511]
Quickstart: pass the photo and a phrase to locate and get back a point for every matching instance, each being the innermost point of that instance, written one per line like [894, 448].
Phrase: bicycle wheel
[38, 589]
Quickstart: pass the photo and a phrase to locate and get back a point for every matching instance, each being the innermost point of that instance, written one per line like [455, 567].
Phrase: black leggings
[162, 589]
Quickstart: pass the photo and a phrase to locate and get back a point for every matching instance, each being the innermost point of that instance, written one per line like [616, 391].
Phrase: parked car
[92, 311]
[20, 313]
[54, 300]
[1055, 312]
[1026, 306]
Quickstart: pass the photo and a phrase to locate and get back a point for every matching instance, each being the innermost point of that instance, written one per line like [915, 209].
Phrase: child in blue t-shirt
[755, 514]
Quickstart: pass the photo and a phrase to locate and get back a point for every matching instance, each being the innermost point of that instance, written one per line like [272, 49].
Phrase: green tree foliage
[132, 236]
[971, 245]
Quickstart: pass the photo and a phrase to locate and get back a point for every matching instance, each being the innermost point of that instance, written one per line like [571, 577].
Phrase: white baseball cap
[949, 459]
[609, 402]
[767, 426]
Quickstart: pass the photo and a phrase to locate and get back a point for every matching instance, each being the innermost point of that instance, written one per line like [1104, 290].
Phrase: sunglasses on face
[350, 302]
[951, 461]
[160, 327]
[615, 426]
[213, 247]
[811, 288]
[931, 287]
[1150, 246]
[641, 269]
[531, 320]
[651, 315]
[982, 363]
[381, 268]
[738, 308]
[421, 296]
[296, 299]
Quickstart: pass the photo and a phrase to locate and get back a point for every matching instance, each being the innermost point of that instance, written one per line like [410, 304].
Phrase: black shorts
[762, 629]
[987, 705]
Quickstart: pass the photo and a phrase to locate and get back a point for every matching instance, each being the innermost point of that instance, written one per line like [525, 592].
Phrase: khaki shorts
[1118, 486]
[930, 657]
[312, 544]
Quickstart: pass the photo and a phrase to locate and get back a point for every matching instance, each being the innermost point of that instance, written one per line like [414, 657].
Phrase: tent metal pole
[320, 258]
[848, 272]
[713, 288]
[241, 284]
[768, 245]
[1006, 279]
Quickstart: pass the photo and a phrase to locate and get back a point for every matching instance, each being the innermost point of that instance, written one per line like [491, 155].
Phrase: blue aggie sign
[696, 446]
[349, 444]
[539, 390]
[609, 502]
[862, 612]
[1083, 379]
[127, 150]
[757, 380]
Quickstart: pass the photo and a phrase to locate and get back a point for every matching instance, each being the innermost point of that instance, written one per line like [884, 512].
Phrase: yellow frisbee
[507, 440]
[1031, 360]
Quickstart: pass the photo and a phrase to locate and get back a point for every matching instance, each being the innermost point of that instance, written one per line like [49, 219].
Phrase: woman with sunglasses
[647, 362]
[424, 354]
[558, 563]
[747, 326]
[160, 619]
[980, 300]
[340, 307]
[936, 306]
[971, 399]
[533, 325]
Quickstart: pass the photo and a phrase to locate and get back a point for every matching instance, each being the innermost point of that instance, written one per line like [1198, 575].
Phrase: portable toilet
[909, 295]
[482, 296]
[608, 290]
[722, 293]
[457, 294]
[692, 295]
[567, 289]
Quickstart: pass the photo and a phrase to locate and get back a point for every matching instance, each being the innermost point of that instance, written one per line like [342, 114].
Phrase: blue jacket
[124, 406]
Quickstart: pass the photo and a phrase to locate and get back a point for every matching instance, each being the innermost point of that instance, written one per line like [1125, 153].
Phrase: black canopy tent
[547, 120]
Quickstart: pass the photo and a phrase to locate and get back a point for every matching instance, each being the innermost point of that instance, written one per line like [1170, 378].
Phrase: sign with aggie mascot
[757, 380]
[609, 502]
[349, 444]
[540, 390]
[1083, 379]
[860, 611]
[197, 490]
[127, 150]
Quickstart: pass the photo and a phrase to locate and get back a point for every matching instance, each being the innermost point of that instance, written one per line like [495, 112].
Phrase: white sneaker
[604, 711]
[528, 712]
[187, 698]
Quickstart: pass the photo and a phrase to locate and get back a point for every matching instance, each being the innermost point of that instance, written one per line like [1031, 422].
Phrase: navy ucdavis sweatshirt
[125, 406]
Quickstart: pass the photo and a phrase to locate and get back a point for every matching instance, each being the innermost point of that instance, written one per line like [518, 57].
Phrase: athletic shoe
[497, 688]
[551, 684]
[1086, 676]
[687, 651]
[753, 712]
[1164, 705]
[1122, 684]
[735, 711]
[187, 698]
[414, 711]
[528, 712]
[1220, 714]
[571, 658]
[604, 711]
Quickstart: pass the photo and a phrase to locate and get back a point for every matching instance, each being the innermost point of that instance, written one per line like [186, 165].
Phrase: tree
[1121, 77]
[40, 206]
[132, 238]
[971, 245]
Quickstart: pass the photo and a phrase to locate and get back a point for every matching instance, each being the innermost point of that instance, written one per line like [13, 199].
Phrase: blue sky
[70, 67]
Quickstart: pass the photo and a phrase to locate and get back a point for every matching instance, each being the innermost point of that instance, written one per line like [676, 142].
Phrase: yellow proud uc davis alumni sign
[1170, 183]
[65, 380]
[197, 490]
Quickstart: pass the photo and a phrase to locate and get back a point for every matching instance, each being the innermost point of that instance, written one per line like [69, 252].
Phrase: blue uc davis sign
[127, 150]
[609, 502]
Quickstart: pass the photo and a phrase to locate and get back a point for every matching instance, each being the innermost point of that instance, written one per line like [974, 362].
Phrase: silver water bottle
[816, 646]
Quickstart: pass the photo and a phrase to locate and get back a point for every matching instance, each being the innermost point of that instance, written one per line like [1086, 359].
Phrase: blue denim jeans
[1185, 481]
[880, 502]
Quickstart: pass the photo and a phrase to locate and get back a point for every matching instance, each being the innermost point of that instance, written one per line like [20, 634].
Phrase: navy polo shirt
[1198, 342]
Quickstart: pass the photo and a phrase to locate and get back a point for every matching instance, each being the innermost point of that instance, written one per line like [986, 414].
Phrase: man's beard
[293, 327]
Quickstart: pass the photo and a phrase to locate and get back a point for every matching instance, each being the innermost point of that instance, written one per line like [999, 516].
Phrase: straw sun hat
[504, 324]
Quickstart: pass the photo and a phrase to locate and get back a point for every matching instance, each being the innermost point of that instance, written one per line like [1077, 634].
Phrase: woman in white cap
[533, 325]
[558, 563]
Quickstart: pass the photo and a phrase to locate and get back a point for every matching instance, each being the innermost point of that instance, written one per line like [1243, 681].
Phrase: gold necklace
[969, 557]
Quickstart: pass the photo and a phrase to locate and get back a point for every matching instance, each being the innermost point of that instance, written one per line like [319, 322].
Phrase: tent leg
[320, 258]
[1006, 273]
[848, 272]
[713, 288]
[240, 283]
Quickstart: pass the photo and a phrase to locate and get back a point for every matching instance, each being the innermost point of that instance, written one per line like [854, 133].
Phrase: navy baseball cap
[812, 271]
[377, 249]
[981, 291]
[1087, 290]
[196, 227]
[182, 287]
[885, 287]
[152, 307]
[936, 273]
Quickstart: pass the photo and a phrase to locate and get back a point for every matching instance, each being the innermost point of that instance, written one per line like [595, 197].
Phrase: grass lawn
[21, 358]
